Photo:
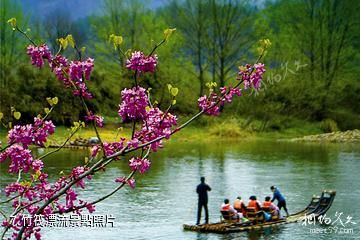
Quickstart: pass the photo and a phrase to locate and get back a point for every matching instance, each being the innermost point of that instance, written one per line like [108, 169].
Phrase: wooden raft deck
[318, 206]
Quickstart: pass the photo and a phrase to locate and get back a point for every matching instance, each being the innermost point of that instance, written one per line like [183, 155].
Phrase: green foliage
[329, 125]
[312, 65]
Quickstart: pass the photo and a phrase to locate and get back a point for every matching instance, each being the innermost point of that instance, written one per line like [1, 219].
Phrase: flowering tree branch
[38, 196]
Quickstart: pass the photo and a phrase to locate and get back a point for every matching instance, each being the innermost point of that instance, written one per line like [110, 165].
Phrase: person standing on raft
[280, 198]
[202, 190]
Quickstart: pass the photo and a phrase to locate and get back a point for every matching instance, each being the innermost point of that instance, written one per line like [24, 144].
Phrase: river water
[165, 197]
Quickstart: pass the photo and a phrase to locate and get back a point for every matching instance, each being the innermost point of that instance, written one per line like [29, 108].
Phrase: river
[165, 197]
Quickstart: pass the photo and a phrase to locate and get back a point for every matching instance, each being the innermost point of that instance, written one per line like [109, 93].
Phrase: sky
[76, 8]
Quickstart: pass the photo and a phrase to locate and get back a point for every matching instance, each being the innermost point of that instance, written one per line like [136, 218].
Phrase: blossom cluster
[209, 104]
[99, 120]
[36, 133]
[39, 189]
[131, 182]
[139, 164]
[156, 124]
[141, 63]
[251, 75]
[20, 159]
[133, 105]
[73, 73]
[38, 54]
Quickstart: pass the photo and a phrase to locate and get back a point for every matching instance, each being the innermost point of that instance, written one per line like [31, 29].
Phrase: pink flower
[59, 65]
[140, 63]
[120, 180]
[94, 150]
[145, 166]
[71, 196]
[99, 120]
[76, 172]
[37, 165]
[111, 148]
[133, 143]
[133, 105]
[257, 75]
[207, 104]
[90, 208]
[20, 158]
[156, 124]
[21, 134]
[82, 90]
[29, 134]
[14, 187]
[139, 164]
[78, 70]
[131, 182]
[252, 75]
[229, 94]
[38, 54]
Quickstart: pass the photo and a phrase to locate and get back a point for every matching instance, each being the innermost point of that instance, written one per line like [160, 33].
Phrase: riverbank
[212, 130]
[347, 136]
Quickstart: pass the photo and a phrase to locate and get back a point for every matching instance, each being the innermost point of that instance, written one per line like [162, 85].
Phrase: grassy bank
[205, 129]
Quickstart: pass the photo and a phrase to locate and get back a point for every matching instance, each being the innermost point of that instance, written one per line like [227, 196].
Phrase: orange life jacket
[225, 207]
[253, 204]
[266, 204]
[238, 204]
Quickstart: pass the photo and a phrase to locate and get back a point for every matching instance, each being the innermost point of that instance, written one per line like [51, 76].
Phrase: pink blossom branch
[100, 199]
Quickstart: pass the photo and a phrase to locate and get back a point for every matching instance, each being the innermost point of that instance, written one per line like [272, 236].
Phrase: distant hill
[76, 8]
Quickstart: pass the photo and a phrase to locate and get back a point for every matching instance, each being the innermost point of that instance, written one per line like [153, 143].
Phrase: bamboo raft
[318, 206]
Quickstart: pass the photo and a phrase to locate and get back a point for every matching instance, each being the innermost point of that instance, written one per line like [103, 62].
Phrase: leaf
[12, 22]
[25, 183]
[116, 40]
[70, 40]
[46, 110]
[168, 32]
[12, 109]
[10, 124]
[36, 175]
[1, 115]
[173, 102]
[55, 100]
[17, 115]
[169, 87]
[174, 91]
[63, 43]
[50, 101]
[61, 173]
[86, 160]
[83, 49]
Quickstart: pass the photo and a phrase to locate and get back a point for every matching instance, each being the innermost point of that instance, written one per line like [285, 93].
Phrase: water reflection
[165, 197]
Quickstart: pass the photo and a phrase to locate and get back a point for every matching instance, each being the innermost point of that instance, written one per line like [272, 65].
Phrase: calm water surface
[165, 197]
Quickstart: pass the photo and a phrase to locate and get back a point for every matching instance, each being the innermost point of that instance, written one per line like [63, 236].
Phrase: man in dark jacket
[280, 198]
[202, 190]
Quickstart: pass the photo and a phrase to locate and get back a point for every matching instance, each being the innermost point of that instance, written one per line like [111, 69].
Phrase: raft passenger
[239, 205]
